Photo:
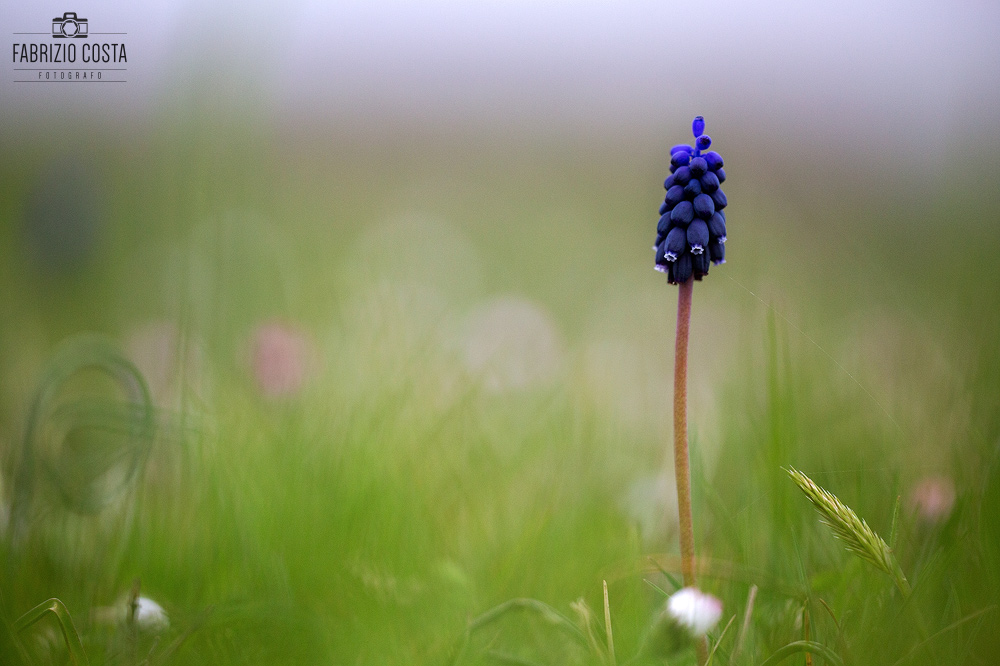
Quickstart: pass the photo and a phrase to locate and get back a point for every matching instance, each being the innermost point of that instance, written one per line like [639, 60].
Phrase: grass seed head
[859, 538]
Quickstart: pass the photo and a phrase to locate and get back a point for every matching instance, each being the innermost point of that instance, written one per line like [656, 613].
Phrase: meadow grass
[377, 514]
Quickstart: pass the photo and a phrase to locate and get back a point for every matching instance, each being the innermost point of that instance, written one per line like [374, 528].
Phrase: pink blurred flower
[932, 498]
[278, 357]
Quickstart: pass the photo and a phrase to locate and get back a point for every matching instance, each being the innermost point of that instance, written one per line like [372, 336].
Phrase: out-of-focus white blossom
[150, 615]
[694, 610]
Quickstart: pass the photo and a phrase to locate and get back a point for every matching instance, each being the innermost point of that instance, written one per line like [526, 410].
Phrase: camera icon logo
[69, 26]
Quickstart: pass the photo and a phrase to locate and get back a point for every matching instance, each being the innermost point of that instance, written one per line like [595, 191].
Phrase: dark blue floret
[704, 206]
[682, 213]
[716, 227]
[718, 253]
[719, 198]
[709, 182]
[691, 231]
[681, 268]
[697, 236]
[661, 262]
[676, 243]
[675, 195]
[692, 189]
[714, 160]
[700, 263]
[663, 226]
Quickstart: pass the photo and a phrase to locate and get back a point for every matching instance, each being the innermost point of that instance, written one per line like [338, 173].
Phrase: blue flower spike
[691, 231]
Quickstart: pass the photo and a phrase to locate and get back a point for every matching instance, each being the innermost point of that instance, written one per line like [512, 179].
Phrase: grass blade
[543, 609]
[70, 634]
[803, 646]
[711, 655]
[741, 639]
[607, 627]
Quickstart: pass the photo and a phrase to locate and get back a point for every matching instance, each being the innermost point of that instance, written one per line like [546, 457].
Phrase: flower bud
[663, 226]
[704, 206]
[682, 213]
[675, 195]
[716, 227]
[692, 189]
[719, 199]
[680, 159]
[709, 182]
[714, 160]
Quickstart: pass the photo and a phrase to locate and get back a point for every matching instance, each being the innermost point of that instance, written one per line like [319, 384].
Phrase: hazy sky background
[919, 74]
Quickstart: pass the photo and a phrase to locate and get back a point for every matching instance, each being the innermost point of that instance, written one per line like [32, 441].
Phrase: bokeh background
[386, 271]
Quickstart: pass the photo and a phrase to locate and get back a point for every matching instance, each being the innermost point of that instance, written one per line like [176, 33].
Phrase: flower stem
[682, 468]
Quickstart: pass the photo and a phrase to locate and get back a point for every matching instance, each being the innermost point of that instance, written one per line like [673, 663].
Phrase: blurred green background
[407, 357]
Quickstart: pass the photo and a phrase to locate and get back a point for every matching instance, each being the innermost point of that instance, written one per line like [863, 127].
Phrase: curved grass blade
[70, 634]
[954, 625]
[134, 419]
[541, 608]
[796, 647]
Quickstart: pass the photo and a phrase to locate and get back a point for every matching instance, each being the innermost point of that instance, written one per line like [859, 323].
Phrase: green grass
[373, 517]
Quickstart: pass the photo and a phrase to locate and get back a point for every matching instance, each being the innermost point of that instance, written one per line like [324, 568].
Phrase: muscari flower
[691, 232]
